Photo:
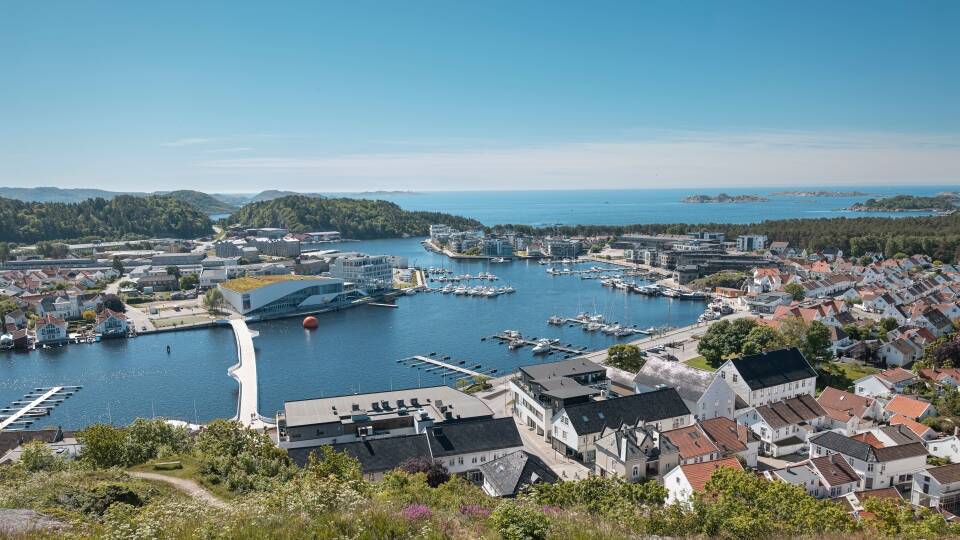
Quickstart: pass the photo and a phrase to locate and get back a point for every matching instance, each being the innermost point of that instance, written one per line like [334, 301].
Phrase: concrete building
[267, 232]
[496, 247]
[751, 242]
[366, 272]
[541, 390]
[276, 247]
[177, 259]
[274, 295]
[376, 415]
[561, 249]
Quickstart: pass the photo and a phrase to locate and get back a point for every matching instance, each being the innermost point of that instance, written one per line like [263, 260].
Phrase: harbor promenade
[245, 373]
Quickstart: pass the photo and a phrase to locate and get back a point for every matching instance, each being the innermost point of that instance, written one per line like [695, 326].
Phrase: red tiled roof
[896, 375]
[835, 401]
[698, 474]
[868, 438]
[910, 424]
[909, 407]
[691, 441]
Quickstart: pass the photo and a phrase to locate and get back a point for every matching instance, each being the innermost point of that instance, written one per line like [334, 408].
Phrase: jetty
[245, 373]
[507, 338]
[33, 405]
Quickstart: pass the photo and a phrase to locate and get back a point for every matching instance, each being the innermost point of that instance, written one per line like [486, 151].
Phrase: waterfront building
[561, 249]
[366, 272]
[496, 247]
[768, 377]
[276, 247]
[51, 330]
[461, 447]
[376, 415]
[541, 390]
[267, 232]
[441, 233]
[276, 295]
[751, 242]
[111, 323]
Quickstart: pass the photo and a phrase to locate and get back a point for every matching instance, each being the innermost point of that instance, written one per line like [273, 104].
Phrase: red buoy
[311, 323]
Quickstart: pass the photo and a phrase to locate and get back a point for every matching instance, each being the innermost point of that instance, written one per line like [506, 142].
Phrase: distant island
[819, 193]
[724, 198]
[907, 203]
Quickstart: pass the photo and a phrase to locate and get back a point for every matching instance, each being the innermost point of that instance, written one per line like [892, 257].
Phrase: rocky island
[907, 203]
[724, 198]
[819, 193]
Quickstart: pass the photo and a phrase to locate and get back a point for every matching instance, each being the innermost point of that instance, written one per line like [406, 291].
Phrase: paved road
[185, 485]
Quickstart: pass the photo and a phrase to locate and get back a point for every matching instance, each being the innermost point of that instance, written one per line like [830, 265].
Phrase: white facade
[284, 295]
[718, 399]
[875, 475]
[946, 448]
[763, 396]
[366, 272]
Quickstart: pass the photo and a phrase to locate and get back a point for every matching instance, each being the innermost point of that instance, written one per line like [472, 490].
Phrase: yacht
[555, 320]
[610, 329]
[498, 260]
[542, 346]
[447, 290]
[593, 326]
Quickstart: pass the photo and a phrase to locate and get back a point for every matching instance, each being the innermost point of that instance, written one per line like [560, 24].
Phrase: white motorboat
[555, 320]
[542, 346]
[593, 327]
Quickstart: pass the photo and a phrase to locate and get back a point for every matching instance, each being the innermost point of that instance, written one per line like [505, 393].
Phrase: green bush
[520, 522]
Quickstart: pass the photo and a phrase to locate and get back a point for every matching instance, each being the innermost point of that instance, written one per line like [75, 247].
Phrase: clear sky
[342, 96]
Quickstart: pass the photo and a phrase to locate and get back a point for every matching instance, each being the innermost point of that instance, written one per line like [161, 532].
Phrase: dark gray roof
[900, 434]
[791, 411]
[773, 368]
[863, 451]
[512, 472]
[946, 474]
[374, 455]
[565, 388]
[566, 368]
[12, 439]
[591, 417]
[474, 436]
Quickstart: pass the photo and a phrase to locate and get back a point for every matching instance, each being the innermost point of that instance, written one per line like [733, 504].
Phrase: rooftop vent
[415, 402]
[354, 406]
[400, 403]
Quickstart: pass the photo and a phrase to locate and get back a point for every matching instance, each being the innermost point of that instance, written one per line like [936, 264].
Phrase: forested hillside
[936, 236]
[207, 204]
[354, 218]
[121, 217]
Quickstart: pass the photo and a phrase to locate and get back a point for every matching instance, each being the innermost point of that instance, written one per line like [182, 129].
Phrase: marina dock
[38, 405]
[533, 343]
[443, 365]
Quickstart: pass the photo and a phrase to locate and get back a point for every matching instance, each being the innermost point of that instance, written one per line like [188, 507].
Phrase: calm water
[621, 207]
[357, 349]
[126, 378]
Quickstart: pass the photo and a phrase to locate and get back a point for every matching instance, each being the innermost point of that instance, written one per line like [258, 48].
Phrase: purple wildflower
[475, 511]
[416, 512]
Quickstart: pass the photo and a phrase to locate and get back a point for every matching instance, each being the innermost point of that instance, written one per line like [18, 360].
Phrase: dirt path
[189, 487]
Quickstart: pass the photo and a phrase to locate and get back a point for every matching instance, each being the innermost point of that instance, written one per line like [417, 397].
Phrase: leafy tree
[795, 290]
[37, 456]
[436, 473]
[113, 303]
[599, 495]
[899, 519]
[104, 446]
[4, 251]
[944, 352]
[853, 331]
[189, 281]
[149, 439]
[728, 278]
[173, 270]
[89, 316]
[7, 304]
[241, 458]
[626, 357]
[118, 265]
[55, 250]
[713, 342]
[213, 300]
[762, 339]
[738, 504]
[888, 324]
[816, 343]
[332, 463]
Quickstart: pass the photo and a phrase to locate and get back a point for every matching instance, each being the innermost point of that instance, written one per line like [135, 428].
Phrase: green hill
[207, 204]
[354, 218]
[124, 216]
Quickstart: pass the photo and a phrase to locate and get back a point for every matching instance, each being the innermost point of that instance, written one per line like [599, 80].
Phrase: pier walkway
[245, 372]
[451, 367]
[13, 418]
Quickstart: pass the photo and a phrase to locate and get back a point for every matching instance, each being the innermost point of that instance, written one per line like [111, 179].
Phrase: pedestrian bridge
[245, 372]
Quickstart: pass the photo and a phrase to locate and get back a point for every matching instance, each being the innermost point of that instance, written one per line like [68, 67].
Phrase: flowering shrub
[416, 512]
[475, 511]
[520, 522]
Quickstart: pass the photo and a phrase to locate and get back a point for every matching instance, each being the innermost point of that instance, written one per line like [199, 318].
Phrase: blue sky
[242, 96]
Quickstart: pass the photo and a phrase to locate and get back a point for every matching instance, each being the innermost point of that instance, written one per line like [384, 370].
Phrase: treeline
[119, 218]
[936, 236]
[354, 218]
[907, 202]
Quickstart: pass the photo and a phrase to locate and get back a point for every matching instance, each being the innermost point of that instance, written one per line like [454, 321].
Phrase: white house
[783, 427]
[706, 394]
[884, 384]
[111, 323]
[946, 448]
[847, 412]
[937, 487]
[685, 480]
[769, 377]
[877, 467]
[51, 330]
